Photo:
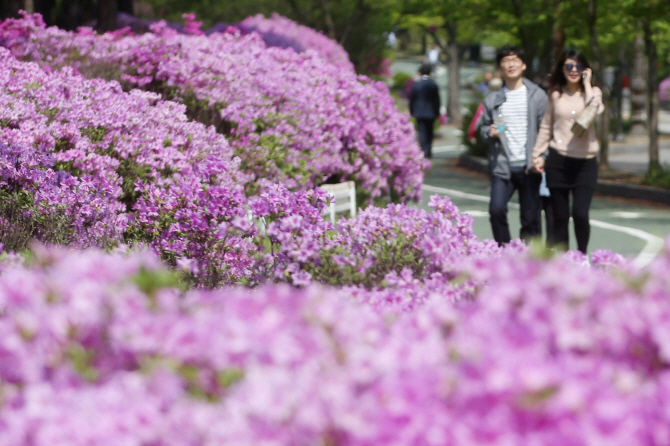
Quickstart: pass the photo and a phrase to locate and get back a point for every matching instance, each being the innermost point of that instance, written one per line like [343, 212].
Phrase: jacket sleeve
[487, 120]
[544, 133]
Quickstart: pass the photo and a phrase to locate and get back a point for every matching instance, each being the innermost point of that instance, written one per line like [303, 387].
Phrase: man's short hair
[425, 69]
[509, 50]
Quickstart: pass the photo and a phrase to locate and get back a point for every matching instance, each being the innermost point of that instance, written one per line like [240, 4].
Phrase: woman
[569, 160]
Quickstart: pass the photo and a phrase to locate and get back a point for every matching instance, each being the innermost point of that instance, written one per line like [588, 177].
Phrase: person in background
[391, 40]
[495, 84]
[475, 123]
[510, 123]
[424, 106]
[433, 55]
[483, 86]
[570, 161]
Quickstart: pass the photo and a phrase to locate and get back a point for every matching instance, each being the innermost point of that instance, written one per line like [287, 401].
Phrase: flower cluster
[396, 257]
[294, 119]
[285, 33]
[82, 162]
[105, 349]
[38, 201]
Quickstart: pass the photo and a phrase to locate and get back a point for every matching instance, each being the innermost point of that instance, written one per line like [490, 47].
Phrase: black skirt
[566, 172]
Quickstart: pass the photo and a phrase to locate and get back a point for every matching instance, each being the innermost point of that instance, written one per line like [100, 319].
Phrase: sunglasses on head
[570, 66]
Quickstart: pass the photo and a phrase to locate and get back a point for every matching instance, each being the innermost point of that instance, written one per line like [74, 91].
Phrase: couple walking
[529, 134]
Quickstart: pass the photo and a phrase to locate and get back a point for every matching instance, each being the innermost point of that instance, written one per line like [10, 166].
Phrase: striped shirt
[515, 114]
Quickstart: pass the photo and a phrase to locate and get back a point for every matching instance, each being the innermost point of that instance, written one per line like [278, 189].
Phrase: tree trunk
[545, 56]
[618, 92]
[127, 6]
[47, 9]
[652, 96]
[328, 18]
[74, 13]
[107, 10]
[599, 72]
[558, 40]
[529, 51]
[454, 89]
[638, 90]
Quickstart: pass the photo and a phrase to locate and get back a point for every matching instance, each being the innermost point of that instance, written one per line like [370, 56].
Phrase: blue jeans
[528, 185]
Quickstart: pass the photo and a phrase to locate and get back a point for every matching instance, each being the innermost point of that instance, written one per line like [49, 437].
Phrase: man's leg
[529, 202]
[430, 130]
[501, 192]
[424, 136]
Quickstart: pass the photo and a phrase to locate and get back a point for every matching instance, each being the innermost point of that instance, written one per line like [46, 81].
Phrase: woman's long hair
[557, 80]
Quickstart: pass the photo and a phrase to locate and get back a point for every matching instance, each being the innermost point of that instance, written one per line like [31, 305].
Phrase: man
[424, 106]
[517, 110]
[433, 55]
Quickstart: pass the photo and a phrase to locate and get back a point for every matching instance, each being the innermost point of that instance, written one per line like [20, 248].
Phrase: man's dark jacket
[424, 99]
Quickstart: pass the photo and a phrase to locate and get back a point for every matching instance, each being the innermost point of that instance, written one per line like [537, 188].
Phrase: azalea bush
[86, 164]
[108, 348]
[294, 119]
[385, 241]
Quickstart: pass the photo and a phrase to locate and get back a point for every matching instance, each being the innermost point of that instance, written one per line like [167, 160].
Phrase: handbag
[585, 118]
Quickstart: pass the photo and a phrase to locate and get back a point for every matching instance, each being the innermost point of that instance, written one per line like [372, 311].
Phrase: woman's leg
[560, 205]
[581, 203]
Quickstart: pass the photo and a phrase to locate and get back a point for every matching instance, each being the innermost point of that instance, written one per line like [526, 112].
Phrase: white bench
[344, 195]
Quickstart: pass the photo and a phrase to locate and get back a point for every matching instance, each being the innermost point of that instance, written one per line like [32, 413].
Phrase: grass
[658, 176]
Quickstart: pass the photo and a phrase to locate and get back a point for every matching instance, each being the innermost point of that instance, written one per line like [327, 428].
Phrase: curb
[632, 191]
[604, 187]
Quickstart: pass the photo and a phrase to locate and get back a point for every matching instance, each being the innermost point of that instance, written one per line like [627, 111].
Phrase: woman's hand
[587, 75]
[538, 164]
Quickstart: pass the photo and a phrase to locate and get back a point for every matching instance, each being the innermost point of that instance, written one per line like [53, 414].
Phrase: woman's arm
[588, 88]
[592, 93]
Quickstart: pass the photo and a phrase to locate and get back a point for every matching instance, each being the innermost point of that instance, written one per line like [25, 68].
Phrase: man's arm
[436, 100]
[412, 98]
